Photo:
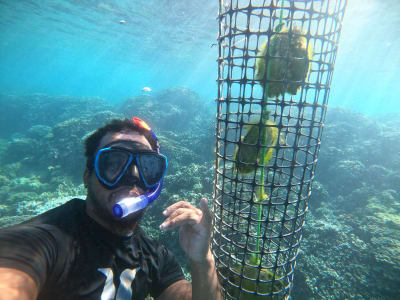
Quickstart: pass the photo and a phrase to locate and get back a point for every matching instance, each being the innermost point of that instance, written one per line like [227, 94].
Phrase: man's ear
[86, 175]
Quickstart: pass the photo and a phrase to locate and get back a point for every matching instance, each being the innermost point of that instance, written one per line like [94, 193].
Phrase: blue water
[79, 48]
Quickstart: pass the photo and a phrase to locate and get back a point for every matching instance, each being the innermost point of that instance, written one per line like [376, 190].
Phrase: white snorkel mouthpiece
[133, 204]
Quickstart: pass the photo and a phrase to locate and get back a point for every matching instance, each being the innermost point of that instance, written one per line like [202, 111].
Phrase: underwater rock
[28, 207]
[30, 184]
[345, 126]
[356, 200]
[319, 194]
[175, 109]
[287, 63]
[382, 220]
[328, 243]
[20, 150]
[378, 176]
[180, 150]
[38, 131]
[345, 176]
[22, 112]
[67, 138]
[351, 248]
[19, 198]
[301, 290]
[192, 177]
[387, 144]
[54, 154]
[372, 143]
[3, 181]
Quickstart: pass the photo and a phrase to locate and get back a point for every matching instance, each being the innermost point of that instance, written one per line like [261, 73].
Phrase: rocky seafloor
[351, 245]
[351, 240]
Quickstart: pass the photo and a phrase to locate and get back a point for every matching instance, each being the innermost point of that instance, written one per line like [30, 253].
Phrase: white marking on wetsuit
[124, 291]
[109, 288]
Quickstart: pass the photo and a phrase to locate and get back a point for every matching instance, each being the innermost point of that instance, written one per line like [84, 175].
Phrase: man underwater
[95, 249]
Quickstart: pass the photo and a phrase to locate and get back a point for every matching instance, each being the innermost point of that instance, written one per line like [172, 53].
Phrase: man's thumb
[205, 209]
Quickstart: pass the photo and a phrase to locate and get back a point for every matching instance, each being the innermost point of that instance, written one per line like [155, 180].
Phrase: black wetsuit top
[70, 256]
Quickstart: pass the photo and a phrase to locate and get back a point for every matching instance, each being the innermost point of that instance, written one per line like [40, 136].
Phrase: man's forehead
[127, 144]
[129, 139]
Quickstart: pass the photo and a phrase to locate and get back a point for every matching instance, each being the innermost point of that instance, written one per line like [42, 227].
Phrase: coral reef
[175, 109]
[20, 113]
[351, 244]
[351, 241]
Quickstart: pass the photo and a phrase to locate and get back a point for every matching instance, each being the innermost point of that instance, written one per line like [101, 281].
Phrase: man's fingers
[184, 213]
[192, 213]
[180, 217]
[177, 205]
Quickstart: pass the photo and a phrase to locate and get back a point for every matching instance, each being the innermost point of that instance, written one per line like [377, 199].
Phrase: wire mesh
[275, 66]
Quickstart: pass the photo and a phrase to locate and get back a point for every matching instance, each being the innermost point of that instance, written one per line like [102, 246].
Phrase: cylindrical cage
[275, 63]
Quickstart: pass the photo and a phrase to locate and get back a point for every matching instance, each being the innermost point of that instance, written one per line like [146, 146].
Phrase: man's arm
[204, 285]
[16, 285]
[195, 227]
[181, 290]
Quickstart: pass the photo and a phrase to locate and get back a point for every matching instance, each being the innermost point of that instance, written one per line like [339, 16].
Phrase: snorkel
[132, 204]
[129, 205]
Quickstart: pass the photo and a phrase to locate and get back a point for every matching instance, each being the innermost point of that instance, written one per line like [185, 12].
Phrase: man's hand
[195, 228]
[194, 236]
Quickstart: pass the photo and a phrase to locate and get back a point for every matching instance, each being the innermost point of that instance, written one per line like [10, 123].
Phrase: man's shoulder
[64, 217]
[45, 246]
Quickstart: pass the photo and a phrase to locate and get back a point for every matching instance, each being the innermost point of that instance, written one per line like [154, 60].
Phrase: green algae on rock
[248, 153]
[287, 64]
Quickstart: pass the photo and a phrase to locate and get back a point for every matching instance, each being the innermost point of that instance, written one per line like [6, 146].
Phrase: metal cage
[275, 65]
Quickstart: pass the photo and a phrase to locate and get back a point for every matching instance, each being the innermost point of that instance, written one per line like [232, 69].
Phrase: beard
[103, 210]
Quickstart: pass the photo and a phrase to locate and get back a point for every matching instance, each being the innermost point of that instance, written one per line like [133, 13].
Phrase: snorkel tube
[132, 204]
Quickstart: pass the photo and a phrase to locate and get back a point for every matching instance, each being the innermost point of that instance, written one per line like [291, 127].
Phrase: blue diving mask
[114, 165]
[126, 163]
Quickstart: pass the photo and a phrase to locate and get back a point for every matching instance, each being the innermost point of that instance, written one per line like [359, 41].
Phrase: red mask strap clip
[141, 123]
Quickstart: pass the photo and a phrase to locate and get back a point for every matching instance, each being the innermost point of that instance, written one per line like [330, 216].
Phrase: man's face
[100, 200]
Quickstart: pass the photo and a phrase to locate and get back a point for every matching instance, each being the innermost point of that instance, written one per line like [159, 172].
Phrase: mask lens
[152, 167]
[111, 164]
